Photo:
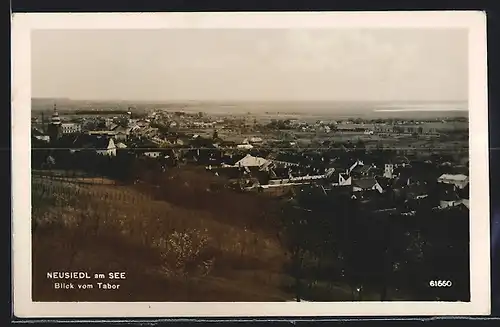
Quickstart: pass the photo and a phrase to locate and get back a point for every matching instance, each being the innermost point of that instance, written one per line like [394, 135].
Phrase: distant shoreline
[321, 109]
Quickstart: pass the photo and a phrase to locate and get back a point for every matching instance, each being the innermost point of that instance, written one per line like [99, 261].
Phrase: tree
[296, 240]
[121, 121]
[360, 144]
[100, 124]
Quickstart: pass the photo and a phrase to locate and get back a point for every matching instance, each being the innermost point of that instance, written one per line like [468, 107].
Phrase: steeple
[55, 117]
[55, 128]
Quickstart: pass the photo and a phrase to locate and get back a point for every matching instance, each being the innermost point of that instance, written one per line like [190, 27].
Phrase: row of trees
[122, 167]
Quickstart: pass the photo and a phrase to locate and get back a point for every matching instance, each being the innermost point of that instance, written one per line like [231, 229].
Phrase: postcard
[244, 164]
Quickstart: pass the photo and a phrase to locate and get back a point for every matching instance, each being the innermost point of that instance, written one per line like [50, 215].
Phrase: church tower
[55, 128]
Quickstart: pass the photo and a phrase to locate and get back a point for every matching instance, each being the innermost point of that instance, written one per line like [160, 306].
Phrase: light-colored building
[71, 128]
[244, 146]
[44, 138]
[251, 161]
[152, 154]
[255, 140]
[448, 203]
[389, 170]
[109, 148]
[101, 133]
[345, 179]
[459, 180]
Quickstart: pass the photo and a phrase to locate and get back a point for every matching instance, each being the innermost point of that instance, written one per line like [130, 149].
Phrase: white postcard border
[23, 24]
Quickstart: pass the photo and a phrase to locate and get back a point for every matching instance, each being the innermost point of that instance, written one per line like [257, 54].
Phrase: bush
[182, 254]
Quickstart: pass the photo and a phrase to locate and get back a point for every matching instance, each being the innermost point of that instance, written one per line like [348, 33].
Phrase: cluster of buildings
[104, 136]
[399, 178]
[369, 127]
[156, 130]
[249, 168]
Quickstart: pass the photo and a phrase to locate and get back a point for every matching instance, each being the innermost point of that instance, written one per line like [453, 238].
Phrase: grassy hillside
[100, 228]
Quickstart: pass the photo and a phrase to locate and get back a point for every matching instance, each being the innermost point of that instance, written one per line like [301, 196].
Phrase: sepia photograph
[231, 162]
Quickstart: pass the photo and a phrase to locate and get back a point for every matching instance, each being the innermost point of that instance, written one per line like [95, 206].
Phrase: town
[281, 155]
[409, 170]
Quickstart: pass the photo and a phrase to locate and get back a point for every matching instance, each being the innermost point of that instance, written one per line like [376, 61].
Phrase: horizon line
[244, 100]
[418, 109]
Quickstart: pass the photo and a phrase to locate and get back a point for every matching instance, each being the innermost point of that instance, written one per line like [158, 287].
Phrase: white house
[256, 140]
[107, 148]
[448, 203]
[244, 146]
[345, 180]
[459, 180]
[389, 170]
[44, 138]
[251, 161]
[152, 154]
[70, 128]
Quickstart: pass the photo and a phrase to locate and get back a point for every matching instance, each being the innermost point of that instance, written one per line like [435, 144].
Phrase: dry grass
[100, 228]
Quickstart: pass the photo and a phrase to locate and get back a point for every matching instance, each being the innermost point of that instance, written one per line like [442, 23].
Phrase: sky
[251, 64]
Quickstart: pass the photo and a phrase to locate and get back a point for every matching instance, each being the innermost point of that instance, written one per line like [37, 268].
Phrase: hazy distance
[233, 66]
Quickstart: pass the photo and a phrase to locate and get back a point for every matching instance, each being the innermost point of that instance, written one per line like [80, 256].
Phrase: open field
[75, 178]
[460, 125]
[116, 228]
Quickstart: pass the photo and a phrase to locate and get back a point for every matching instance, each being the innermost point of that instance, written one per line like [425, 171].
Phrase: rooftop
[364, 183]
[457, 177]
[250, 160]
